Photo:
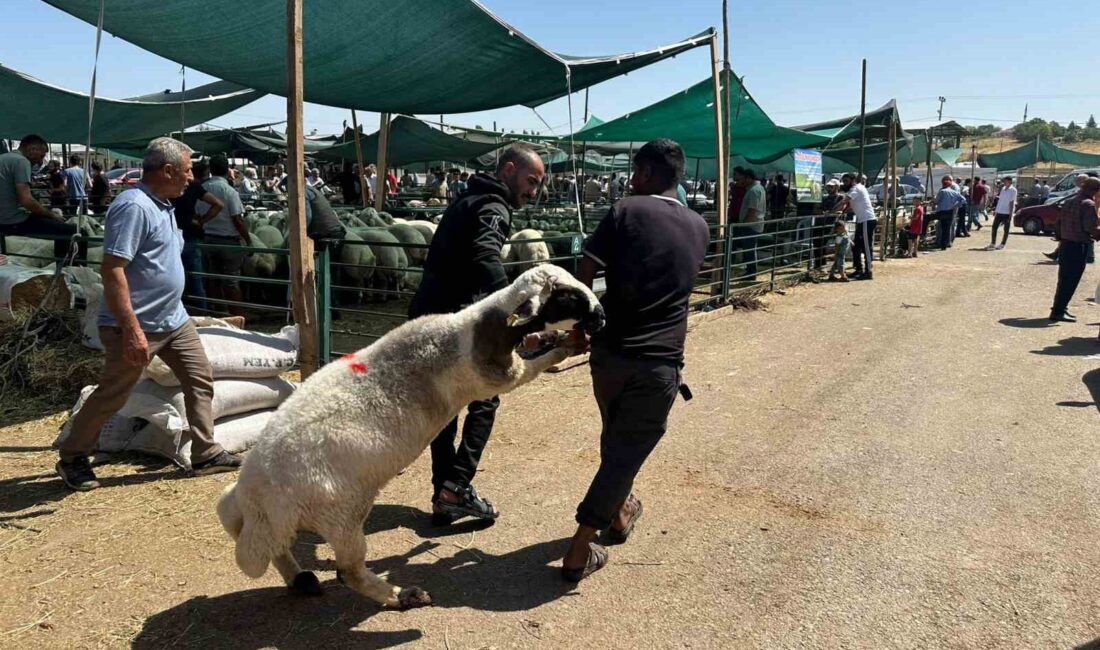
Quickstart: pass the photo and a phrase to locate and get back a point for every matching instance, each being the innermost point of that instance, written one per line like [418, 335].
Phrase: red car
[1040, 219]
[123, 177]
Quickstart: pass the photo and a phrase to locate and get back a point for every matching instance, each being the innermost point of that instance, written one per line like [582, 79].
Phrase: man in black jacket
[463, 265]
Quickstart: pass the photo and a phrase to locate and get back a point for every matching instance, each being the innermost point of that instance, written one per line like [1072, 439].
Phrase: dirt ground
[905, 463]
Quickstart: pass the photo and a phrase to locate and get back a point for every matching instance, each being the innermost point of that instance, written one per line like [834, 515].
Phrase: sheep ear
[525, 313]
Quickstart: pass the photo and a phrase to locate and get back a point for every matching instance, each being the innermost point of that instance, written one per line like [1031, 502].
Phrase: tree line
[1038, 127]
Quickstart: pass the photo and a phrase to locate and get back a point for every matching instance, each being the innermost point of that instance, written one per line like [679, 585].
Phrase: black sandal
[597, 559]
[469, 505]
[613, 537]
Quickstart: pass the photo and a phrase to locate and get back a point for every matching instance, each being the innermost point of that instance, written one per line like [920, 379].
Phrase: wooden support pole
[719, 138]
[359, 159]
[303, 282]
[380, 188]
[863, 118]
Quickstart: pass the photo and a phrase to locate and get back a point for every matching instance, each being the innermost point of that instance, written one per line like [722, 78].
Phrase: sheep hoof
[413, 597]
[306, 584]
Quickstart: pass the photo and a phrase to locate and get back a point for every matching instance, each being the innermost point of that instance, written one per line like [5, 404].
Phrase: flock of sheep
[381, 256]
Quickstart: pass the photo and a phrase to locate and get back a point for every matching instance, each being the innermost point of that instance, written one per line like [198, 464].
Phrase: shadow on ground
[1091, 379]
[270, 617]
[22, 492]
[1027, 323]
[1074, 346]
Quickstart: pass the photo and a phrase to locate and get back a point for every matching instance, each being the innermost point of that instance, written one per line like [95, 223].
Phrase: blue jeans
[193, 287]
[975, 212]
[841, 254]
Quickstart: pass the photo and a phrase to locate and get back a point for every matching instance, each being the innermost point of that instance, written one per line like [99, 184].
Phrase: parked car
[122, 178]
[908, 193]
[1040, 219]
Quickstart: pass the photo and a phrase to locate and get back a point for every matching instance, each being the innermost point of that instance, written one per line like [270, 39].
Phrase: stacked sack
[247, 390]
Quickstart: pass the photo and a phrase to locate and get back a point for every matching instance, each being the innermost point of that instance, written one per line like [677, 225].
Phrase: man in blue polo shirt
[142, 316]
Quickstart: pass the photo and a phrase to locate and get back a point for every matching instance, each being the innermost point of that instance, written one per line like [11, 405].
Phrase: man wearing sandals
[651, 249]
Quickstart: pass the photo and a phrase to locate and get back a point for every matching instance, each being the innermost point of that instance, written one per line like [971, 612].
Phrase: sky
[800, 59]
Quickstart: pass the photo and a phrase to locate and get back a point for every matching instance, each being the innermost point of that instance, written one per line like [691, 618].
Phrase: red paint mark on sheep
[357, 367]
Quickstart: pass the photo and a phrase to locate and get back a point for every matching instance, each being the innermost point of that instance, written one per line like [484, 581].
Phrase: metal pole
[303, 283]
[359, 159]
[383, 155]
[719, 139]
[862, 116]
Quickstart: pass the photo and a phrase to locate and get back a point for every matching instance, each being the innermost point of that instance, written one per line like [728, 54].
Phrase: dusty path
[905, 463]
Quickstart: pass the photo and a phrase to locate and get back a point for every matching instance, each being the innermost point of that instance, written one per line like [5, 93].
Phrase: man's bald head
[520, 156]
[521, 169]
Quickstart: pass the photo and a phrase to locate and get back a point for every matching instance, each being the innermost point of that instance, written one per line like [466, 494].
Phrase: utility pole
[939, 116]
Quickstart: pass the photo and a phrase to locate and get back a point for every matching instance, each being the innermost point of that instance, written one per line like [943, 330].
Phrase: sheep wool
[353, 425]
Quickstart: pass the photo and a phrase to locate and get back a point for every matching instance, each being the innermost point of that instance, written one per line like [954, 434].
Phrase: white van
[1067, 184]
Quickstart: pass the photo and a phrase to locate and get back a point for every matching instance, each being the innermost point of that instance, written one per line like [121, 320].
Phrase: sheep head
[549, 298]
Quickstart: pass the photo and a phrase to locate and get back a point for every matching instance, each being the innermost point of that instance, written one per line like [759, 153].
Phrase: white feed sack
[154, 418]
[235, 353]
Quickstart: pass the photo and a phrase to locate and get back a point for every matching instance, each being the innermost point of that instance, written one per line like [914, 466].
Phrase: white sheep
[357, 422]
[523, 252]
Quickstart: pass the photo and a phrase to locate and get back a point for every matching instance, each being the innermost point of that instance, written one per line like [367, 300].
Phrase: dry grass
[40, 363]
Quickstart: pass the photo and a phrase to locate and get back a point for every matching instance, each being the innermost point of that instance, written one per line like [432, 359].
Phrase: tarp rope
[573, 148]
[82, 219]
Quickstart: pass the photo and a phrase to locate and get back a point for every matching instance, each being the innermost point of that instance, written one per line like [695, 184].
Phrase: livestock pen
[360, 302]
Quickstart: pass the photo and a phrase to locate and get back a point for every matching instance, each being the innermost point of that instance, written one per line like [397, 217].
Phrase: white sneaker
[991, 247]
[1000, 247]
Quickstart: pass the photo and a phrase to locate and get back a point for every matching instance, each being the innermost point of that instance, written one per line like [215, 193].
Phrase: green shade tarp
[411, 141]
[848, 128]
[412, 56]
[688, 118]
[1035, 152]
[261, 146]
[29, 105]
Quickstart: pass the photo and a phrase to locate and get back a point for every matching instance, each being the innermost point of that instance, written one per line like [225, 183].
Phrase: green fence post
[324, 314]
[727, 263]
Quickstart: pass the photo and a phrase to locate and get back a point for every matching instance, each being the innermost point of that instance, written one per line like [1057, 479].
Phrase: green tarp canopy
[412, 56]
[259, 145]
[411, 141]
[688, 118]
[29, 105]
[593, 163]
[1035, 152]
[848, 128]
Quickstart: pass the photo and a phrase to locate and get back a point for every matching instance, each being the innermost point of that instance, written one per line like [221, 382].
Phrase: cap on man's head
[832, 182]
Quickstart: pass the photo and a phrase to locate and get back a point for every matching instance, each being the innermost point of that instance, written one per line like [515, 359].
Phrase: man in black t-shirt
[651, 249]
[193, 291]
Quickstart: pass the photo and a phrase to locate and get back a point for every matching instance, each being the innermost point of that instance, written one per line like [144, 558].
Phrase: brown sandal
[597, 559]
[612, 536]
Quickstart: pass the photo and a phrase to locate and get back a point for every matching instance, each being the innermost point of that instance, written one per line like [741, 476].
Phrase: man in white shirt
[1006, 207]
[858, 201]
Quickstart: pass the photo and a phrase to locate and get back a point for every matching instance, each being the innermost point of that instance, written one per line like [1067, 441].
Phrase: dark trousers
[998, 221]
[634, 396]
[943, 229]
[863, 247]
[744, 242]
[962, 220]
[460, 465]
[59, 231]
[193, 290]
[1072, 257]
